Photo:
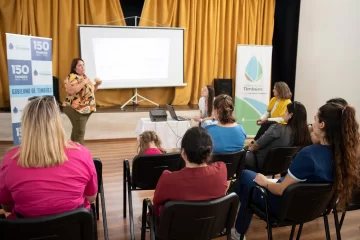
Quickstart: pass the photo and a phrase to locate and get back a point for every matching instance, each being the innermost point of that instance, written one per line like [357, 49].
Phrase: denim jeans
[242, 190]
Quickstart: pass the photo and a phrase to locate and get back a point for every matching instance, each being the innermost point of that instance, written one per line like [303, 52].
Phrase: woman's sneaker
[235, 235]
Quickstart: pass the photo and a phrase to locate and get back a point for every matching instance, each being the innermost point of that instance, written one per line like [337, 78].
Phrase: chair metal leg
[103, 211]
[299, 231]
[337, 224]
[342, 220]
[124, 191]
[292, 232]
[97, 207]
[327, 230]
[131, 213]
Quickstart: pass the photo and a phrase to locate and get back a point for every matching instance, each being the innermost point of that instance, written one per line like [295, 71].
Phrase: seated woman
[198, 181]
[228, 136]
[332, 161]
[276, 109]
[294, 133]
[206, 103]
[149, 143]
[47, 174]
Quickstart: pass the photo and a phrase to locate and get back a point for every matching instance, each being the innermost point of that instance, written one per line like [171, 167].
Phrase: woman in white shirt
[207, 116]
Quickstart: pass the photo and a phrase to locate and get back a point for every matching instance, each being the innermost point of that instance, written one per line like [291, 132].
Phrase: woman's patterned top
[84, 100]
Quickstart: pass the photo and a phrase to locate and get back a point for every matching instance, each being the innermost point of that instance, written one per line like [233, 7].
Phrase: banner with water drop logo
[30, 74]
[253, 82]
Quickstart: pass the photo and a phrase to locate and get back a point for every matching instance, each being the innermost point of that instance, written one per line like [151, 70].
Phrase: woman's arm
[8, 207]
[91, 199]
[73, 89]
[275, 188]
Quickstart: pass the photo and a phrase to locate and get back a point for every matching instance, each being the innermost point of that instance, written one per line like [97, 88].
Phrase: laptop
[173, 114]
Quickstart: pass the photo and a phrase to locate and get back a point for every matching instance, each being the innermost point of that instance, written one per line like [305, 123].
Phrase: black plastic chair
[234, 162]
[277, 161]
[146, 171]
[354, 205]
[95, 207]
[192, 220]
[299, 203]
[72, 225]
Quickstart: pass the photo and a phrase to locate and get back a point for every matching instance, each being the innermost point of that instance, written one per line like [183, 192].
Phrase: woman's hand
[261, 121]
[98, 82]
[197, 119]
[261, 180]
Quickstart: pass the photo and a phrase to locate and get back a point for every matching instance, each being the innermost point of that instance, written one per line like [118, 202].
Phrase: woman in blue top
[227, 135]
[338, 131]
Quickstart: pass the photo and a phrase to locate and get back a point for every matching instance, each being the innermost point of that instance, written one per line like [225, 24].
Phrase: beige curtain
[213, 28]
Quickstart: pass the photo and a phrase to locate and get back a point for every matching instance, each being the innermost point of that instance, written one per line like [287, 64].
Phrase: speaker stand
[136, 101]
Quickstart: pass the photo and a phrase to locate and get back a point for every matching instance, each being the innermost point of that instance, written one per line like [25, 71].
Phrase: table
[170, 131]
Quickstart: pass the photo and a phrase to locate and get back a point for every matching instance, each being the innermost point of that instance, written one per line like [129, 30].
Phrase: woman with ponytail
[198, 181]
[332, 161]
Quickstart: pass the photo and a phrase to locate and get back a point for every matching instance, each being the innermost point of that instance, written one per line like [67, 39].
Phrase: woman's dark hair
[298, 124]
[73, 65]
[210, 101]
[225, 107]
[342, 134]
[197, 145]
[340, 101]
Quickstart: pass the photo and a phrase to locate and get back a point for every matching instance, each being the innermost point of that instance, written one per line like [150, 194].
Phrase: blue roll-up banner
[30, 73]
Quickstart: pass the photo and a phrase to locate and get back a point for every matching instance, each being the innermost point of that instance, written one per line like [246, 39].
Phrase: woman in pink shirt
[47, 174]
[149, 143]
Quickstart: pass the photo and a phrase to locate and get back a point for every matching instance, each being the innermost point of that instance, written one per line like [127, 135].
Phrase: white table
[170, 132]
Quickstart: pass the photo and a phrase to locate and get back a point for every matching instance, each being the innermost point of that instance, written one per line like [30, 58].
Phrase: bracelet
[267, 186]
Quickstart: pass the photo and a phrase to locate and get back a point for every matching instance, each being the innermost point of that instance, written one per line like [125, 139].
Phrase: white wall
[328, 58]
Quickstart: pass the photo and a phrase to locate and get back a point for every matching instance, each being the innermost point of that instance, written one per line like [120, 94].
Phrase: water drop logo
[253, 70]
[35, 73]
[11, 46]
[15, 110]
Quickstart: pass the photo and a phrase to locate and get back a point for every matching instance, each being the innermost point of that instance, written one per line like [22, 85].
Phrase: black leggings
[263, 128]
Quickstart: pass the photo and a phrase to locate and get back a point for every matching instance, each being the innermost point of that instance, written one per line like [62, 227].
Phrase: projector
[158, 115]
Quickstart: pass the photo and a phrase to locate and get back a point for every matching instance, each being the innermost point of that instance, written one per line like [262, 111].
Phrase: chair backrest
[356, 197]
[147, 169]
[278, 160]
[233, 161]
[98, 167]
[198, 220]
[72, 225]
[304, 202]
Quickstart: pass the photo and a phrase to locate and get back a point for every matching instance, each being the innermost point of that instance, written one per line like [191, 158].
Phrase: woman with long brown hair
[206, 107]
[331, 161]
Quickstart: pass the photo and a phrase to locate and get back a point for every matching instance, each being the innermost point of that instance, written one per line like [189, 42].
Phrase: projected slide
[131, 58]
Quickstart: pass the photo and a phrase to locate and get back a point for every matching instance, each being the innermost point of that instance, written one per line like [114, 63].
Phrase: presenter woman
[276, 108]
[80, 100]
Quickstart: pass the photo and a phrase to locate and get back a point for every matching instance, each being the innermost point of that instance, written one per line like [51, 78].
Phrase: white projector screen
[133, 57]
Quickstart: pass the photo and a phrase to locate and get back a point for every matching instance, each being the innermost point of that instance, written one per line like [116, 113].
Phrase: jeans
[242, 190]
[78, 122]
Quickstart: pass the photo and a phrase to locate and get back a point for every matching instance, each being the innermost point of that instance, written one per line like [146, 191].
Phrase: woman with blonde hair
[149, 143]
[46, 174]
[276, 108]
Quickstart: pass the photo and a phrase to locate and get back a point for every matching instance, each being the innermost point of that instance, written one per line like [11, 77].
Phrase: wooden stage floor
[113, 152]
